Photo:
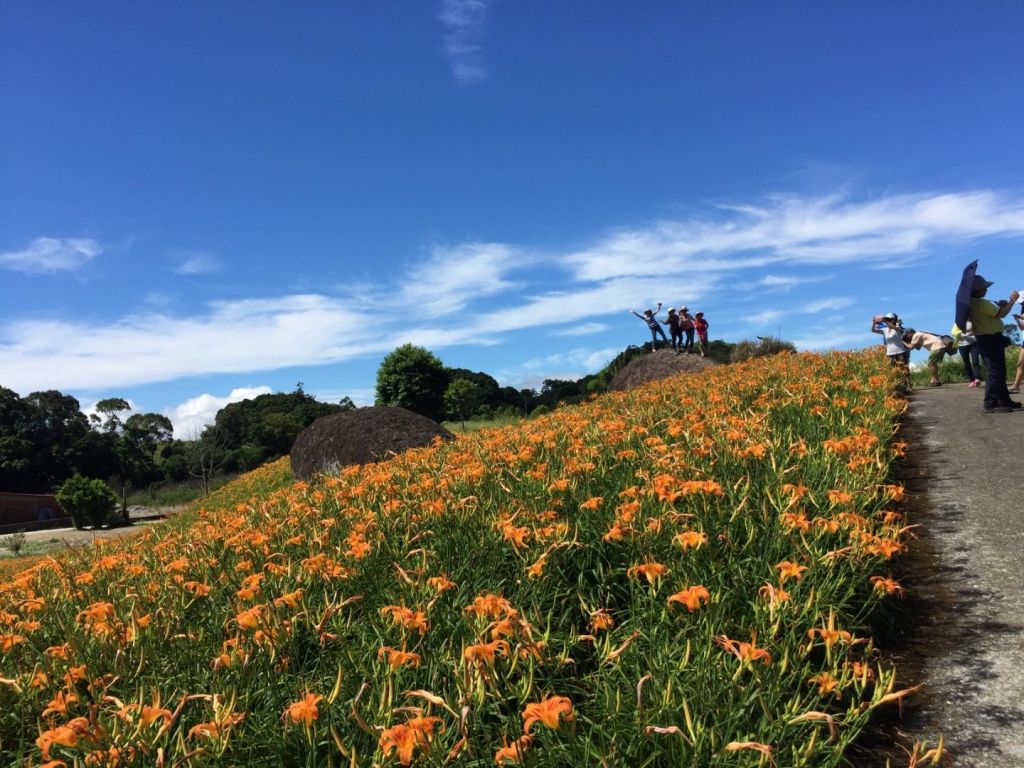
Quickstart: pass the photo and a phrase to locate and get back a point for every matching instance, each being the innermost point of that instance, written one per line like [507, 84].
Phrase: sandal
[1014, 391]
[934, 383]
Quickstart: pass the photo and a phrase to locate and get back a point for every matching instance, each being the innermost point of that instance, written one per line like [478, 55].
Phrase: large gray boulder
[362, 436]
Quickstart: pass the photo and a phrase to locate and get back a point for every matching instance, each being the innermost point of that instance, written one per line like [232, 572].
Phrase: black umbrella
[963, 295]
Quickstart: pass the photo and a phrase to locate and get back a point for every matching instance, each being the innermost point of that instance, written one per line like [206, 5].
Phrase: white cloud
[789, 230]
[195, 263]
[765, 316]
[790, 281]
[195, 414]
[583, 329]
[571, 364]
[835, 302]
[51, 254]
[454, 276]
[464, 22]
[478, 292]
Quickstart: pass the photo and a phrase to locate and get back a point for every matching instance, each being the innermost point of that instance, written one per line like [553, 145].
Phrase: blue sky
[200, 201]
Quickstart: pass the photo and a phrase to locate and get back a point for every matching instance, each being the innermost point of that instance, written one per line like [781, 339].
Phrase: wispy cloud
[191, 417]
[583, 329]
[453, 276]
[480, 293]
[832, 303]
[51, 254]
[196, 263]
[792, 230]
[786, 282]
[464, 22]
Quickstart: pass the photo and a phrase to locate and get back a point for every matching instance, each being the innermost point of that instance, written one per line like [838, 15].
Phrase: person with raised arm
[652, 323]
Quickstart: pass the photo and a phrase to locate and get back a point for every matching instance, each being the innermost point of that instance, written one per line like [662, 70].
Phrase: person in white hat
[675, 330]
[987, 318]
[892, 331]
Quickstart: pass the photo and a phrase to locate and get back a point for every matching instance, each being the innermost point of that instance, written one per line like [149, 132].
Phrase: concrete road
[965, 578]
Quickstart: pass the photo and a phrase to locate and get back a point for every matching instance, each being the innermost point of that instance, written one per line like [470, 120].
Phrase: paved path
[965, 578]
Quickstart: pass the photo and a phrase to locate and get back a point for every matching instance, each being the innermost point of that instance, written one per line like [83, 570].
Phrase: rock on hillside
[362, 436]
[658, 365]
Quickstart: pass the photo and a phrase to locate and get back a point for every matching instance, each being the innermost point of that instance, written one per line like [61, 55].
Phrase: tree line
[46, 439]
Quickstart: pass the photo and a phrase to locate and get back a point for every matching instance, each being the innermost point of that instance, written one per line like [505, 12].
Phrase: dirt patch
[658, 365]
[362, 436]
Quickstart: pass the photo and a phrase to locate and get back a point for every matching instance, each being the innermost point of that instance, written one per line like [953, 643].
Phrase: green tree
[461, 399]
[86, 501]
[107, 418]
[413, 377]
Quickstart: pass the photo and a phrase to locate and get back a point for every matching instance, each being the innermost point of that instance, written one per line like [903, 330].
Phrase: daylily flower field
[683, 574]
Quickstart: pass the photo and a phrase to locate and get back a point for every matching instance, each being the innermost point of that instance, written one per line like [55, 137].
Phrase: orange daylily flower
[513, 753]
[746, 652]
[601, 620]
[406, 618]
[396, 658]
[788, 570]
[691, 597]
[826, 684]
[593, 503]
[649, 571]
[485, 653]
[405, 739]
[887, 586]
[690, 539]
[551, 712]
[304, 710]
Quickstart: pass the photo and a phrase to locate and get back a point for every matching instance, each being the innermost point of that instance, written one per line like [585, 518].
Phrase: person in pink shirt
[700, 325]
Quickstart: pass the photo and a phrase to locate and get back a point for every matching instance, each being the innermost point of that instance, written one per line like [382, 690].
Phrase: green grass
[175, 494]
[474, 425]
[951, 370]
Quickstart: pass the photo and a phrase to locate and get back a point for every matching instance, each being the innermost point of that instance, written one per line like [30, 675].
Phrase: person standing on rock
[652, 323]
[675, 330]
[987, 318]
[700, 325]
[686, 323]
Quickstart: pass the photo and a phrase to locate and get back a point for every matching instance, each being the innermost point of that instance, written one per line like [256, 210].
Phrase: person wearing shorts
[936, 350]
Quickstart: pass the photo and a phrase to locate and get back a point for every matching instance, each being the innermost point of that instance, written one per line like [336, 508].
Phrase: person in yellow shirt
[987, 319]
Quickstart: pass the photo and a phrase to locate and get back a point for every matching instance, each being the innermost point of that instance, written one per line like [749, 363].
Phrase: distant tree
[461, 400]
[56, 429]
[414, 378]
[765, 346]
[205, 456]
[86, 501]
[107, 418]
[346, 404]
[257, 430]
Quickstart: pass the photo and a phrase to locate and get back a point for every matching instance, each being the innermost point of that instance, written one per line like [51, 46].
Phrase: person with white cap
[892, 331]
[987, 318]
[675, 330]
